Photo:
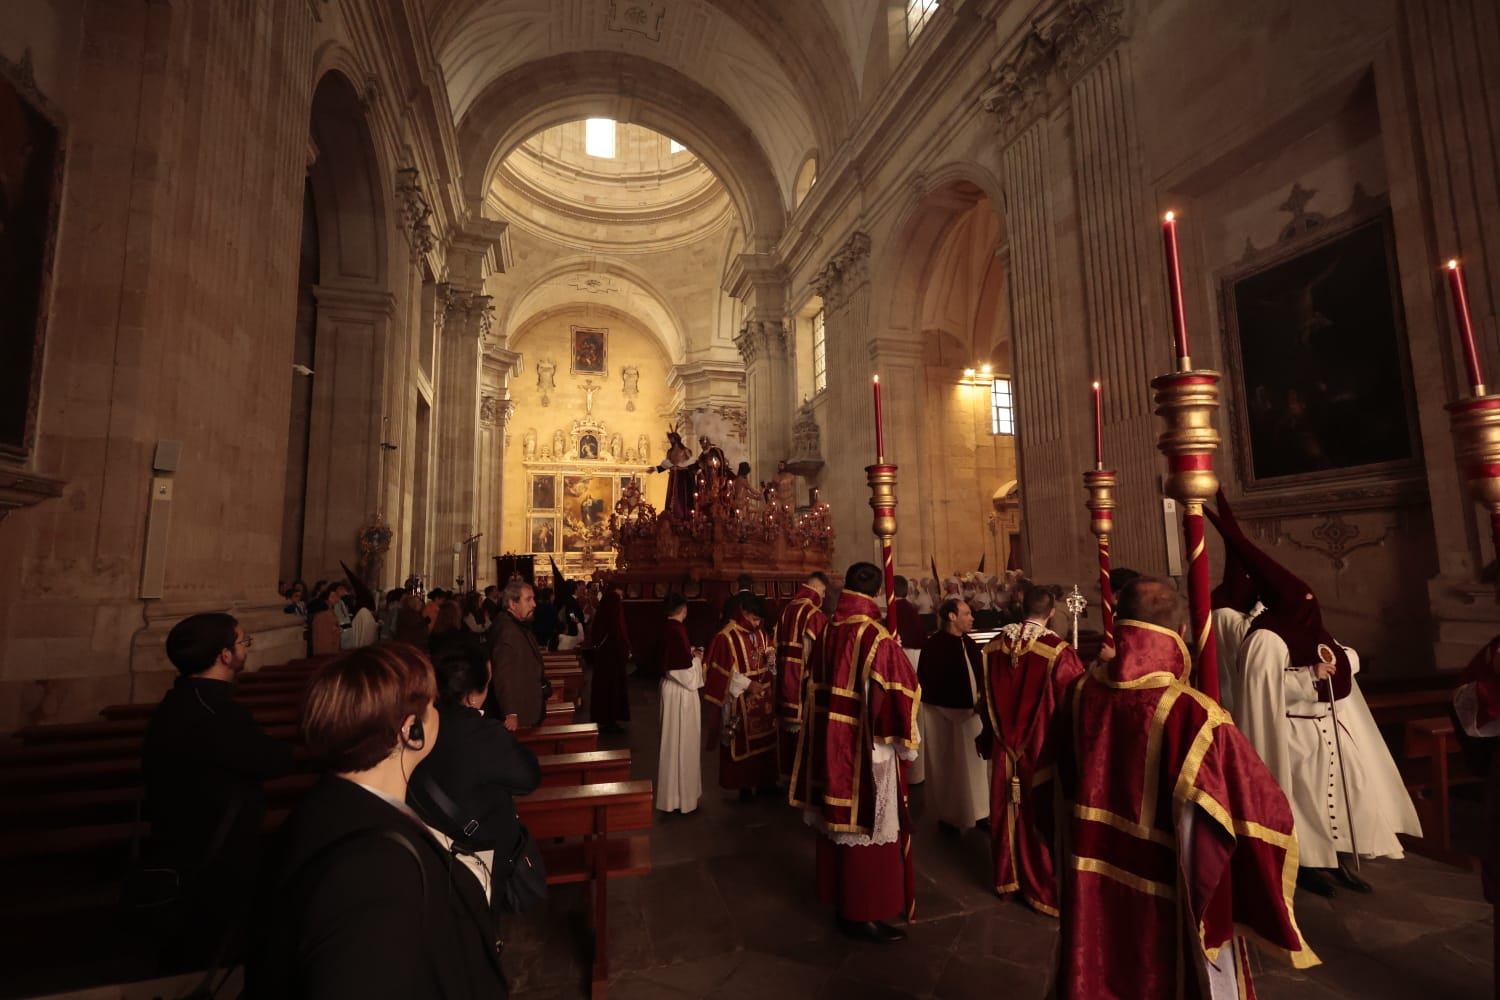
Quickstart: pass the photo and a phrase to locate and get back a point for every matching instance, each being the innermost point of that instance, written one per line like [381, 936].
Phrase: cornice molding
[20, 488]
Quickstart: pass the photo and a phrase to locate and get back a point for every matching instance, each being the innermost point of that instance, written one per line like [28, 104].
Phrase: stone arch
[630, 89]
[652, 310]
[347, 184]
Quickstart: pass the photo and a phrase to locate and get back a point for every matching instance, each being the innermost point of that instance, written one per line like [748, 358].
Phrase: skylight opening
[677, 147]
[599, 137]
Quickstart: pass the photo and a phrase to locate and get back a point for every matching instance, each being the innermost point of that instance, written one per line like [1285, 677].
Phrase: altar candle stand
[1100, 484]
[1476, 419]
[882, 481]
[1187, 400]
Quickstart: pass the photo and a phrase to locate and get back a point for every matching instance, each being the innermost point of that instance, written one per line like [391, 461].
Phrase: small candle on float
[1098, 428]
[1465, 327]
[1174, 292]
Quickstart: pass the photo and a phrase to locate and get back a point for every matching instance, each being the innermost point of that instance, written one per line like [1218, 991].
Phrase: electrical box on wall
[159, 518]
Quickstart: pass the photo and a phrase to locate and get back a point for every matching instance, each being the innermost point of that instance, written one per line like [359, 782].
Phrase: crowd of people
[1114, 792]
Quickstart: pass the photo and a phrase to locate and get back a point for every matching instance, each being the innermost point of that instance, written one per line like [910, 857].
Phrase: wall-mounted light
[968, 373]
[984, 369]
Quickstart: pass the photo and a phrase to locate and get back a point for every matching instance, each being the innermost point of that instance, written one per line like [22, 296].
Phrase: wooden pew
[69, 805]
[1434, 765]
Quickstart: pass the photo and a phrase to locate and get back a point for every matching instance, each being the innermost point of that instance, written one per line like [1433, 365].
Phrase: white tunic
[1277, 707]
[1230, 627]
[679, 768]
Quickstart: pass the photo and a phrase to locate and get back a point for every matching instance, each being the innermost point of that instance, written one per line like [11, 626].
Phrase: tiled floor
[729, 912]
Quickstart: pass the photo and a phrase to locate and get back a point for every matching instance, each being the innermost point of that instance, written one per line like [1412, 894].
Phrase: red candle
[1098, 428]
[879, 426]
[1174, 290]
[1465, 326]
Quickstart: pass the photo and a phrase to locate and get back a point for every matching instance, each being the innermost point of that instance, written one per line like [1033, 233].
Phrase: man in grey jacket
[517, 691]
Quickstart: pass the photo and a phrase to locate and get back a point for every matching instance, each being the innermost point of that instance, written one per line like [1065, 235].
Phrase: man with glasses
[204, 761]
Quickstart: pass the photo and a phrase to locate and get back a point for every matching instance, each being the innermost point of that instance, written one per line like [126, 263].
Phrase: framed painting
[590, 350]
[31, 159]
[1322, 401]
[544, 492]
[586, 505]
[543, 534]
[588, 446]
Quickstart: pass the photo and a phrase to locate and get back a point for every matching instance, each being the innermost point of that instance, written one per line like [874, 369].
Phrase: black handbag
[523, 883]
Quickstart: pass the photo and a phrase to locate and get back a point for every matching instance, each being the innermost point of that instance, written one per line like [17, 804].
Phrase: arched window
[599, 137]
[918, 13]
[807, 176]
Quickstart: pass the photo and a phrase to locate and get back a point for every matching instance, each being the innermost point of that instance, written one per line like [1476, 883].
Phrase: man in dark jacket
[516, 693]
[204, 760]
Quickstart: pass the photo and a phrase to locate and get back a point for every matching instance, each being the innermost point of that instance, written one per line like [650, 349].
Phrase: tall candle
[879, 425]
[1098, 428]
[1174, 291]
[1465, 326]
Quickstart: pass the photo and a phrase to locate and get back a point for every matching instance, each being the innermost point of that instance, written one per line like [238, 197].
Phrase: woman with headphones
[366, 902]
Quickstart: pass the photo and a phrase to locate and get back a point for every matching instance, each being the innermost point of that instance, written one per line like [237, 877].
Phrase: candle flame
[877, 379]
[1170, 216]
[1453, 264]
[1096, 385]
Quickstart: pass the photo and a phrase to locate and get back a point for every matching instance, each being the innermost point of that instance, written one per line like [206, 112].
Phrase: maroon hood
[1292, 609]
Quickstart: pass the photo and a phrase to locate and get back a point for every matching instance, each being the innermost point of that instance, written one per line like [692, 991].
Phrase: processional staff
[1187, 400]
[882, 480]
[1475, 419]
[1100, 484]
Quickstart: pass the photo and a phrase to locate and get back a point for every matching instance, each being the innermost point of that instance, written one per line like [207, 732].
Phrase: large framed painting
[1323, 408]
[544, 492]
[31, 156]
[590, 350]
[543, 534]
[586, 505]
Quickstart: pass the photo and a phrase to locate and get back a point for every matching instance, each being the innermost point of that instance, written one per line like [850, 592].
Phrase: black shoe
[945, 827]
[873, 931]
[1347, 875]
[983, 824]
[1314, 881]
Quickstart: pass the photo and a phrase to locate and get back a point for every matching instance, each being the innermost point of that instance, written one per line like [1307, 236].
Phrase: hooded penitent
[1292, 609]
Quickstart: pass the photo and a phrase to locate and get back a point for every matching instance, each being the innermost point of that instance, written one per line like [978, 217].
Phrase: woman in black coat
[367, 903]
[464, 788]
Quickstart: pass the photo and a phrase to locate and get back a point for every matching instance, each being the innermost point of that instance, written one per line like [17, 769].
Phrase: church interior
[404, 290]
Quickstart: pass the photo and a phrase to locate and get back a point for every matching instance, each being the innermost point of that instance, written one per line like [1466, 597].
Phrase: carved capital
[845, 272]
[489, 408]
[761, 338]
[1061, 45]
[416, 211]
[470, 313]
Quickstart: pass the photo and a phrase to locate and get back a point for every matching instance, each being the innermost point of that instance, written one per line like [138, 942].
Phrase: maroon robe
[860, 690]
[609, 696]
[802, 620]
[909, 627]
[1026, 674]
[676, 647]
[748, 760]
[1176, 837]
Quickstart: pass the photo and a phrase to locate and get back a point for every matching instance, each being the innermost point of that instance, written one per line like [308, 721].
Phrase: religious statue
[681, 469]
[712, 469]
[786, 487]
[616, 447]
[807, 443]
[546, 368]
[559, 444]
[528, 445]
[643, 447]
[589, 388]
[630, 378]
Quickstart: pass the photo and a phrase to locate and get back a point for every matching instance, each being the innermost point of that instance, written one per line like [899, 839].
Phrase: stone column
[1123, 305]
[495, 411]
[844, 286]
[1452, 57]
[768, 393]
[457, 411]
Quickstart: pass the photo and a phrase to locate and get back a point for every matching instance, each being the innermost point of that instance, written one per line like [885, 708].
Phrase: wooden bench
[1434, 765]
[79, 804]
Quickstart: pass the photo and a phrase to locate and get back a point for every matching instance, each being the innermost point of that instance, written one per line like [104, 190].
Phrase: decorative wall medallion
[594, 284]
[1336, 539]
[643, 17]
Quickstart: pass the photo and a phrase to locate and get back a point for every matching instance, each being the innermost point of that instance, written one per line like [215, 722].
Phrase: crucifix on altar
[589, 388]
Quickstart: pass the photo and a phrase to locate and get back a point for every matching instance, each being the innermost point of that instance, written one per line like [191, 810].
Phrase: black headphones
[414, 735]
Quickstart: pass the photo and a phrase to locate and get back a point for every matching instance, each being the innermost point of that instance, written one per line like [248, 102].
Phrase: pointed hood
[1292, 609]
[364, 597]
[1236, 588]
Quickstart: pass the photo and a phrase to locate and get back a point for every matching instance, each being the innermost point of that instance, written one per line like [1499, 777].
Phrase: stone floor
[728, 911]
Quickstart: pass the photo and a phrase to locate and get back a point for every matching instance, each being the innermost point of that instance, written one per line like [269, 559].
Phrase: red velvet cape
[860, 690]
[801, 619]
[740, 648]
[1136, 747]
[1023, 684]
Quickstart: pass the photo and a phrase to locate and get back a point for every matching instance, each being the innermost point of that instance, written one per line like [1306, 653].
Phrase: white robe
[916, 772]
[679, 767]
[1230, 627]
[958, 789]
[1304, 757]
